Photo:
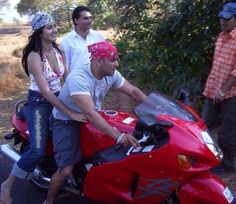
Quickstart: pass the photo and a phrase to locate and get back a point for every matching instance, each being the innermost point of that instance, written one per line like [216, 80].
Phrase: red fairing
[93, 140]
[138, 179]
[173, 161]
[149, 177]
[203, 188]
[20, 126]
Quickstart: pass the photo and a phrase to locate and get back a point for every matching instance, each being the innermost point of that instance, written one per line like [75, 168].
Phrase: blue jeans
[37, 118]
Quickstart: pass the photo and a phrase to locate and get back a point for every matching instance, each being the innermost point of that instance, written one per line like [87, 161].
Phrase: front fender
[205, 188]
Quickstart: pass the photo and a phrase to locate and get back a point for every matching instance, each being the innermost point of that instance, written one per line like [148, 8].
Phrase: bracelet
[120, 137]
[221, 93]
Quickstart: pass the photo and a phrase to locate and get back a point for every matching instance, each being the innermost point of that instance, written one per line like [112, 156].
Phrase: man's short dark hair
[77, 11]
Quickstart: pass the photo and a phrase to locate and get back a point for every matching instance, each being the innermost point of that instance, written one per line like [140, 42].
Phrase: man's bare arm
[86, 105]
[133, 91]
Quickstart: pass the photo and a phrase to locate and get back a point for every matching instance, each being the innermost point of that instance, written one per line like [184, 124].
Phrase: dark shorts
[65, 134]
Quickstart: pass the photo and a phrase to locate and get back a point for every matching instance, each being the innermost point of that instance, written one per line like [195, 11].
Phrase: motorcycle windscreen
[160, 104]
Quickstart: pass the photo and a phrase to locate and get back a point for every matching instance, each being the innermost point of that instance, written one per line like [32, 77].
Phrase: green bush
[166, 45]
[103, 12]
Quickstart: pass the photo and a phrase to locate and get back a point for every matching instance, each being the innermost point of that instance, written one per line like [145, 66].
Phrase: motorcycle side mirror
[183, 96]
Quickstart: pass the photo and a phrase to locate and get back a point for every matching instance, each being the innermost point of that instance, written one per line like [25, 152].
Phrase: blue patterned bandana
[41, 19]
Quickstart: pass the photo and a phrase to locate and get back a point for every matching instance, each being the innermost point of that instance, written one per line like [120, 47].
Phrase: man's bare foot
[5, 196]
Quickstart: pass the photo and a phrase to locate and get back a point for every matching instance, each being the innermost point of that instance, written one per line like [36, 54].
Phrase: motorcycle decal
[148, 148]
[137, 149]
[228, 195]
[155, 187]
[128, 120]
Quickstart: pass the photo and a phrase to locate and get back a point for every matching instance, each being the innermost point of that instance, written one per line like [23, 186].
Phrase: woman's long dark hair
[34, 44]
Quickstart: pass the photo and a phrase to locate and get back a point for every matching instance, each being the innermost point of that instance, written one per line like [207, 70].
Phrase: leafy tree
[168, 44]
[103, 12]
[60, 9]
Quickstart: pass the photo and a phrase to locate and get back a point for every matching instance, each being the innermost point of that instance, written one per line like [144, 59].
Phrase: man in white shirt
[75, 42]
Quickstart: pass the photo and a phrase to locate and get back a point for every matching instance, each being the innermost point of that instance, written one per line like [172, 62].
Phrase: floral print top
[52, 77]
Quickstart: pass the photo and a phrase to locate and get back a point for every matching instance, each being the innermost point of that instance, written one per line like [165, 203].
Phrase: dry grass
[12, 78]
[13, 81]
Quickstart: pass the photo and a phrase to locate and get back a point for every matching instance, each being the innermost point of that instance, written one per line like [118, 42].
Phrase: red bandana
[102, 50]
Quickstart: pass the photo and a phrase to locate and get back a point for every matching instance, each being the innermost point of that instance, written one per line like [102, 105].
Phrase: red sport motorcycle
[172, 164]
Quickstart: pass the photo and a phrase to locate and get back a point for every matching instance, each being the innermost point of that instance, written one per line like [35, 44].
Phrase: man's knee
[66, 171]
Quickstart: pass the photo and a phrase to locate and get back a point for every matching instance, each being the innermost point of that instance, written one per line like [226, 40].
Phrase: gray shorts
[65, 134]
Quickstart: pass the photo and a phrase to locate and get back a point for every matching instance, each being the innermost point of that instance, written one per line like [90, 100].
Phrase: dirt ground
[14, 83]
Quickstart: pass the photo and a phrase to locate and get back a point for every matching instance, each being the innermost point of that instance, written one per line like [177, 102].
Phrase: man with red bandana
[84, 91]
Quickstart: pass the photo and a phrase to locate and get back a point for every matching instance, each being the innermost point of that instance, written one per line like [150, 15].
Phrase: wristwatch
[221, 93]
[120, 138]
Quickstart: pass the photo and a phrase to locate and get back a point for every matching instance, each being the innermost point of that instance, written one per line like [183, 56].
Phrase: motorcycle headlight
[212, 145]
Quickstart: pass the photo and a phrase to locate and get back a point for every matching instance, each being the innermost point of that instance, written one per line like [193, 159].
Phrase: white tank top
[52, 77]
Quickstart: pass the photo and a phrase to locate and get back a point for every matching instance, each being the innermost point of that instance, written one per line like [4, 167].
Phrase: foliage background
[170, 43]
[164, 45]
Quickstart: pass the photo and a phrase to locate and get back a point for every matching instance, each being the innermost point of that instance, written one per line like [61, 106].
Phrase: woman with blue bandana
[44, 63]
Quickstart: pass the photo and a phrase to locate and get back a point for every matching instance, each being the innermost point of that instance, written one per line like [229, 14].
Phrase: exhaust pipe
[11, 153]
[38, 178]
